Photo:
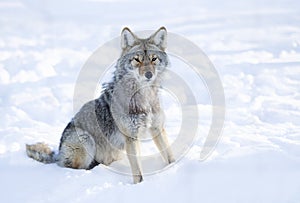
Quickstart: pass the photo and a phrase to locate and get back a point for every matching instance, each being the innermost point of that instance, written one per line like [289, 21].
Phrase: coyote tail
[41, 152]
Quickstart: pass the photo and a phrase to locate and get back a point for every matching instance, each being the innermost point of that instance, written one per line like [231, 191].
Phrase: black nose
[148, 75]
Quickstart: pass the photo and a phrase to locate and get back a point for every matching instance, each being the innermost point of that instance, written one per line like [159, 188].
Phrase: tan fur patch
[78, 160]
[39, 147]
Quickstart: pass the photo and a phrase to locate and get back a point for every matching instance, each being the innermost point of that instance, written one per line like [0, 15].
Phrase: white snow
[255, 47]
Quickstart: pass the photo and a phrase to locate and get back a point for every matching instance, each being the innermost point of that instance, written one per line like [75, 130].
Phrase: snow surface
[255, 47]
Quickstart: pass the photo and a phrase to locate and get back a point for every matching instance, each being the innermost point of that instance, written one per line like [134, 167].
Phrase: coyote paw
[137, 179]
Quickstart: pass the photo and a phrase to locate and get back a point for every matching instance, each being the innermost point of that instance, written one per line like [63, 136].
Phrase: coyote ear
[159, 38]
[127, 38]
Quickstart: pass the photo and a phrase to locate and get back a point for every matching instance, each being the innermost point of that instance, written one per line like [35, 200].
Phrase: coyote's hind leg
[77, 149]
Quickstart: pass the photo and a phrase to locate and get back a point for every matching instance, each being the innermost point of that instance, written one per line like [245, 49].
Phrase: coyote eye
[154, 59]
[137, 60]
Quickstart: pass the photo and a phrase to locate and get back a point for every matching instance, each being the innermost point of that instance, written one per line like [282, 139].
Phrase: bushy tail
[41, 152]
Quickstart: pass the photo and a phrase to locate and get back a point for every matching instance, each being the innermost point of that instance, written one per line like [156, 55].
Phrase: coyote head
[145, 59]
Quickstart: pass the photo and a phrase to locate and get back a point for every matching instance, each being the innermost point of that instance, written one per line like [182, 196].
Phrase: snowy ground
[255, 47]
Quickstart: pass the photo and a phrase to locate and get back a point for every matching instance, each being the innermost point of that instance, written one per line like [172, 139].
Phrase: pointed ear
[159, 38]
[127, 38]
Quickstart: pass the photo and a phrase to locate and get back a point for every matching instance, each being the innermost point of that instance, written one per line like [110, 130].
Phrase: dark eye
[137, 60]
[154, 58]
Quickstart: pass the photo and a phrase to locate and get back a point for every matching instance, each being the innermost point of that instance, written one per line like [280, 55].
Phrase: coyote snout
[148, 75]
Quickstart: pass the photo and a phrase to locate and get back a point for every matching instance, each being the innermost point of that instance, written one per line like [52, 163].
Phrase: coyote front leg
[132, 149]
[160, 139]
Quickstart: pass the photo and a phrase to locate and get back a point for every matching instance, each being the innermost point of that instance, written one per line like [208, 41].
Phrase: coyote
[127, 107]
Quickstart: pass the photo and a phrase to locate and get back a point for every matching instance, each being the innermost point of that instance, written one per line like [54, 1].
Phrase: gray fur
[41, 152]
[128, 106]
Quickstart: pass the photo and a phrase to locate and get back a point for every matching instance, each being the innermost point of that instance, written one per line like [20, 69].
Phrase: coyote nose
[148, 75]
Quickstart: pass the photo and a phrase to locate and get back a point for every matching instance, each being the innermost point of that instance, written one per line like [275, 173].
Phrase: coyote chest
[144, 101]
